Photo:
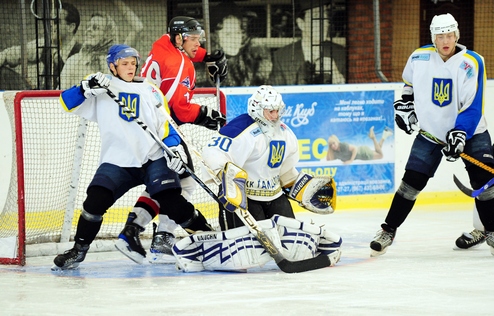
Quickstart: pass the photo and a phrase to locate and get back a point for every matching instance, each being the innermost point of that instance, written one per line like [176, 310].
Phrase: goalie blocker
[237, 249]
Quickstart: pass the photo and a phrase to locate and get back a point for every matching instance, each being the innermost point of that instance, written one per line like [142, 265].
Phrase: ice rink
[420, 274]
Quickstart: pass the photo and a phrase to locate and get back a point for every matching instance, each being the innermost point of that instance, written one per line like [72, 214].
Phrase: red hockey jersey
[172, 70]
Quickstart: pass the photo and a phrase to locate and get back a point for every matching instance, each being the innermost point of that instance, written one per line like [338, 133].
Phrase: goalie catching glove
[217, 66]
[95, 85]
[316, 194]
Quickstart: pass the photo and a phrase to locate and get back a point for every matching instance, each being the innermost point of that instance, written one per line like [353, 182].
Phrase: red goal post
[54, 157]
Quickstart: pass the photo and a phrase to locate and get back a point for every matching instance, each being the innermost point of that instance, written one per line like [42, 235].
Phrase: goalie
[267, 150]
[239, 248]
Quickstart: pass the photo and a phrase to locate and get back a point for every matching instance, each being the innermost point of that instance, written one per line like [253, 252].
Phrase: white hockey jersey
[270, 163]
[123, 142]
[447, 94]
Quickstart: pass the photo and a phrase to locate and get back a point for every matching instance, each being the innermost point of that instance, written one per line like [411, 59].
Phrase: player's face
[191, 44]
[271, 115]
[445, 44]
[126, 68]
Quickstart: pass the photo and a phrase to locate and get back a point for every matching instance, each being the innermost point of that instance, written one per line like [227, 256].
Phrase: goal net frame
[30, 223]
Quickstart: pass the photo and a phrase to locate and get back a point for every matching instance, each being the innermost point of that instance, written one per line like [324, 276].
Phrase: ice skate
[384, 239]
[470, 240]
[70, 259]
[129, 243]
[490, 241]
[161, 247]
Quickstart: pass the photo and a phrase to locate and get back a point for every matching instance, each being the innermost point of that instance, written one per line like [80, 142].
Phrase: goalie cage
[54, 157]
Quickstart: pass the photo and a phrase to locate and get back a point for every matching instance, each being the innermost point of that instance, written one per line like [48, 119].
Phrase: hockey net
[54, 157]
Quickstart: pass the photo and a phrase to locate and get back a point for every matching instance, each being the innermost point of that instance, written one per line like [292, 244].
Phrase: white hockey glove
[209, 118]
[455, 144]
[316, 194]
[217, 66]
[95, 85]
[178, 160]
[405, 116]
[232, 194]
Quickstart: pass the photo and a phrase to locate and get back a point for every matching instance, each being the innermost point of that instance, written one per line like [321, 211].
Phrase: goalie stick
[284, 264]
[463, 188]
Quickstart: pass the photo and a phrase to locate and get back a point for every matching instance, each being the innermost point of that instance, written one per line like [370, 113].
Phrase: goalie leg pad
[302, 240]
[231, 250]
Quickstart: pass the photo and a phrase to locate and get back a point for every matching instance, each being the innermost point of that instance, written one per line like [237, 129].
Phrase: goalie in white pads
[237, 249]
[267, 150]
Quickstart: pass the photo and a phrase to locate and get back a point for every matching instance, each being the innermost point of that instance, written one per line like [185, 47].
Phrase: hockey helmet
[119, 51]
[185, 26]
[265, 98]
[442, 24]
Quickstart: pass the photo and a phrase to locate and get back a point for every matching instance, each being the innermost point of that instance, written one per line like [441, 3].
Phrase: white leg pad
[302, 240]
[232, 250]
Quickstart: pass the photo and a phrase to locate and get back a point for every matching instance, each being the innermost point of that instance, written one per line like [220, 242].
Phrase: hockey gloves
[455, 143]
[210, 118]
[177, 161]
[316, 194]
[217, 66]
[405, 116]
[95, 85]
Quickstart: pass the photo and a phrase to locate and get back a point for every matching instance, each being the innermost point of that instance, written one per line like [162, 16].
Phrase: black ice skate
[129, 243]
[70, 259]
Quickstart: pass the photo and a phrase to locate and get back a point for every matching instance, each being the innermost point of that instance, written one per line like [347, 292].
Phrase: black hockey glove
[210, 118]
[95, 85]
[455, 144]
[405, 116]
[217, 65]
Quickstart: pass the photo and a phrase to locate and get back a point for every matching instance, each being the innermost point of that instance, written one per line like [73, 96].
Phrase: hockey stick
[143, 125]
[463, 188]
[462, 155]
[284, 264]
[471, 192]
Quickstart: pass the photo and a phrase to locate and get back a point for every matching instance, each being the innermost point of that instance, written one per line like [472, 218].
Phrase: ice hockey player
[238, 249]
[129, 156]
[170, 65]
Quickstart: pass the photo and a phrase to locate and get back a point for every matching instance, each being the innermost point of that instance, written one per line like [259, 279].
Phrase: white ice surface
[420, 274]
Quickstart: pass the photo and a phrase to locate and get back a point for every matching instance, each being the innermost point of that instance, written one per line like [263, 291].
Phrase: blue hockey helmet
[119, 51]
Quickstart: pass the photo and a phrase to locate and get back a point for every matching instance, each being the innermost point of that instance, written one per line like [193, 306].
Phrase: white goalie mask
[442, 24]
[266, 98]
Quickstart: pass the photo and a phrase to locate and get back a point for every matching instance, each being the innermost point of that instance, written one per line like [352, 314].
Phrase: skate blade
[124, 248]
[375, 253]
[71, 267]
[160, 258]
[466, 249]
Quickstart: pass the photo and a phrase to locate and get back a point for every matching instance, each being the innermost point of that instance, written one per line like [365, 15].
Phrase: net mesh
[60, 154]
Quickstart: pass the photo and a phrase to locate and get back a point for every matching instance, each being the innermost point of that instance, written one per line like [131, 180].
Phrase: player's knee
[173, 204]
[412, 184]
[98, 200]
